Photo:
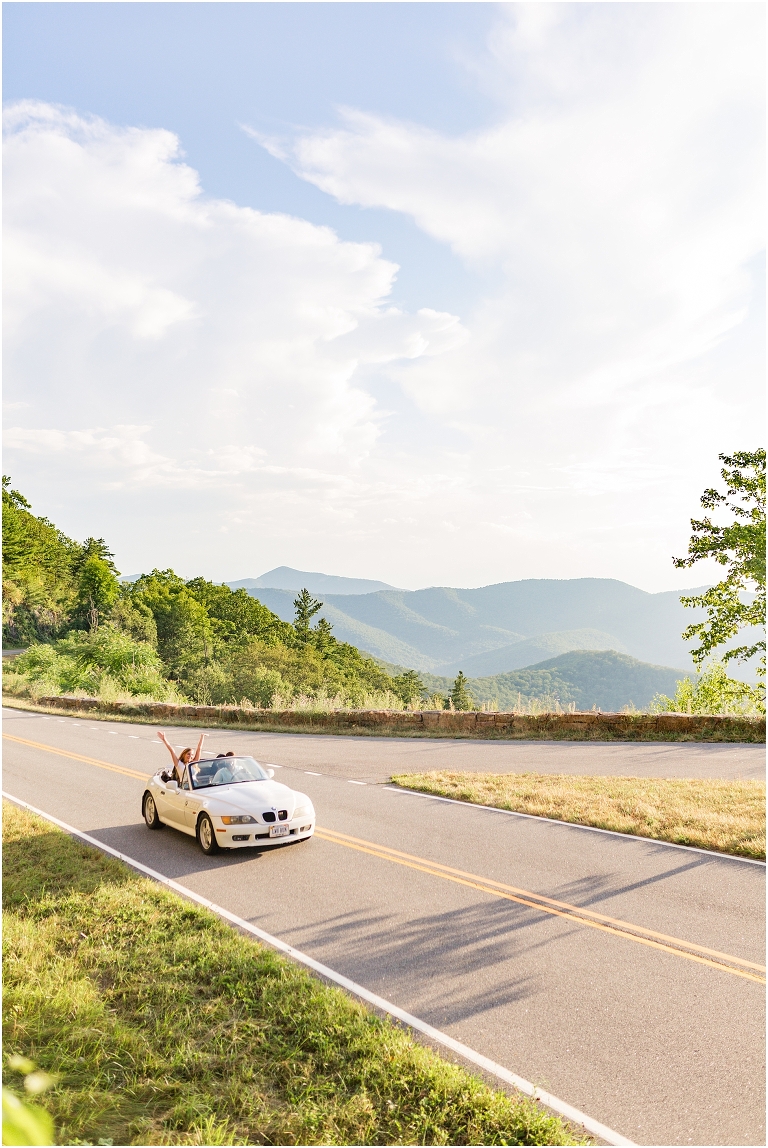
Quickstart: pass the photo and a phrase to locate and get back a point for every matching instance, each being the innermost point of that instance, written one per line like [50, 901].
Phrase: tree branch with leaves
[738, 600]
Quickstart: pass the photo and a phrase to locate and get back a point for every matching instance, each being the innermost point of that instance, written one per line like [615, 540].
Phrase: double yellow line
[78, 757]
[739, 967]
[674, 945]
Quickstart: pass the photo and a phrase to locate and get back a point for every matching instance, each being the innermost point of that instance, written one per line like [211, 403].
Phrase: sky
[437, 294]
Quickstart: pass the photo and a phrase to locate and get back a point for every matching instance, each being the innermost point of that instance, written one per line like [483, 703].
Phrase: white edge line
[575, 825]
[462, 1050]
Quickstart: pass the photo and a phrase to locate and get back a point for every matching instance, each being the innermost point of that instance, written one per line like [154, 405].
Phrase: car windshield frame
[228, 764]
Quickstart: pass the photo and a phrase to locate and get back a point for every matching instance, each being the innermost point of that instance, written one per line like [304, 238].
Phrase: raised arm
[169, 747]
[196, 755]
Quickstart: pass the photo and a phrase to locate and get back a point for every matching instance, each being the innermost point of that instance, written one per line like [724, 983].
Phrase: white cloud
[620, 196]
[246, 372]
[621, 193]
[233, 335]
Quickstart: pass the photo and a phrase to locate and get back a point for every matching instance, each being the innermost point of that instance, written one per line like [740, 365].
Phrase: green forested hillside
[160, 635]
[582, 678]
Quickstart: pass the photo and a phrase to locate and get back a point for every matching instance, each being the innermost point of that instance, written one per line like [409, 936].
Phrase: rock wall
[588, 726]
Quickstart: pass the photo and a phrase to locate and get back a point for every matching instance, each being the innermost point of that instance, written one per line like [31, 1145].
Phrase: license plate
[279, 830]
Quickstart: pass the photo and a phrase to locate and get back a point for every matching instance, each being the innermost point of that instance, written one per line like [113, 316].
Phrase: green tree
[38, 572]
[97, 590]
[184, 631]
[408, 686]
[738, 601]
[236, 616]
[323, 639]
[98, 548]
[305, 607]
[460, 696]
[134, 618]
[712, 692]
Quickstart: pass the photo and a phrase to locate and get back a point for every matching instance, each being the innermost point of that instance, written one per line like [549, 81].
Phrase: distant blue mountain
[285, 578]
[504, 627]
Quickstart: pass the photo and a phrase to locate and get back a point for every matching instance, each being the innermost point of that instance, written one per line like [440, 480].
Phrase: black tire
[206, 835]
[149, 812]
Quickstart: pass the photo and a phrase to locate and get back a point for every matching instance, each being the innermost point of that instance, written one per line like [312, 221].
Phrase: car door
[193, 803]
[173, 800]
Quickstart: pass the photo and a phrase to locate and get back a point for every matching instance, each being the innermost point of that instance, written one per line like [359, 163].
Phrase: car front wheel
[150, 812]
[206, 835]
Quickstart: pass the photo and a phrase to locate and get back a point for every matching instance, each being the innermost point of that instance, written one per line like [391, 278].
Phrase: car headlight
[239, 819]
[303, 811]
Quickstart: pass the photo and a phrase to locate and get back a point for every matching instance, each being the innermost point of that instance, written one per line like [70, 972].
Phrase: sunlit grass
[726, 816]
[168, 1027]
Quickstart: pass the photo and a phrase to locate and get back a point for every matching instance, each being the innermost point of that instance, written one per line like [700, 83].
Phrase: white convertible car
[228, 803]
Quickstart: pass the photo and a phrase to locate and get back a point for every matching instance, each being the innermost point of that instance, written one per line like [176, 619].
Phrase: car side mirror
[270, 773]
[172, 785]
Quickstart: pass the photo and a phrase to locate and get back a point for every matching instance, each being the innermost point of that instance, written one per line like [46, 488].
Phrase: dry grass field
[726, 816]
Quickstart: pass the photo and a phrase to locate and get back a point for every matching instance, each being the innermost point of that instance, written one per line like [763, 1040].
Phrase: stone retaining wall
[588, 726]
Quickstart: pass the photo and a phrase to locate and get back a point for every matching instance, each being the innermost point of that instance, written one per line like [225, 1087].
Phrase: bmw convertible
[229, 803]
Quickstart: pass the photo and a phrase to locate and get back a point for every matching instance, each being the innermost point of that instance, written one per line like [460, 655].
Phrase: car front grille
[281, 813]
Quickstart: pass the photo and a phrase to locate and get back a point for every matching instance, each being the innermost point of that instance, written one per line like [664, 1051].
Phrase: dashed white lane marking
[356, 782]
[568, 1111]
[134, 736]
[311, 773]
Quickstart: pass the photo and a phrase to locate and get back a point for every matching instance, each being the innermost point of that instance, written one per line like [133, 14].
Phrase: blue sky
[202, 70]
[431, 293]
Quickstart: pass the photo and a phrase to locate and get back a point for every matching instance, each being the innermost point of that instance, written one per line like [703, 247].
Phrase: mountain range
[586, 678]
[494, 629]
[285, 578]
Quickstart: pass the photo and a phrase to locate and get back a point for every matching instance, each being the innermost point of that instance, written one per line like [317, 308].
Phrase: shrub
[711, 692]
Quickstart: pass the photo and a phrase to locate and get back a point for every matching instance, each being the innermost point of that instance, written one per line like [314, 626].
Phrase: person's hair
[230, 753]
[218, 755]
[185, 755]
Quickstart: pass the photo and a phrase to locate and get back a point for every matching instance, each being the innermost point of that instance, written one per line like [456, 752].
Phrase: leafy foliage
[738, 601]
[161, 635]
[711, 692]
[409, 687]
[39, 565]
[461, 698]
[306, 607]
[104, 659]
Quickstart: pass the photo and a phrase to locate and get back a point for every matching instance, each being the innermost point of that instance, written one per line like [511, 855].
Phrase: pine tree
[460, 696]
[306, 607]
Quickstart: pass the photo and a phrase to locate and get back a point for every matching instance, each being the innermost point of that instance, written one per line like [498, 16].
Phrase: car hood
[253, 795]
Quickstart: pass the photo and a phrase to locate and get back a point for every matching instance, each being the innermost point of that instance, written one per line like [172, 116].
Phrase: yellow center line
[571, 913]
[482, 884]
[77, 757]
[542, 900]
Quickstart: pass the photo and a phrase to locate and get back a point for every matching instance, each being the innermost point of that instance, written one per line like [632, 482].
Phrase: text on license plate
[279, 830]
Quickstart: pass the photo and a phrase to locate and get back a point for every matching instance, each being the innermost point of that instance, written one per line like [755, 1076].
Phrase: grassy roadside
[168, 1027]
[726, 816]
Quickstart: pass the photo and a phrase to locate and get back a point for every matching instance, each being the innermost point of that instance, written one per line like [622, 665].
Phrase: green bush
[711, 692]
[92, 663]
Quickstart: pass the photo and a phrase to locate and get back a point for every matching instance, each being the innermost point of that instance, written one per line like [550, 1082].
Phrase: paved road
[663, 1048]
[377, 758]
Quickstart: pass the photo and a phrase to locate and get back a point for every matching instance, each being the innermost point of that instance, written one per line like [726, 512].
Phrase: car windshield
[226, 771]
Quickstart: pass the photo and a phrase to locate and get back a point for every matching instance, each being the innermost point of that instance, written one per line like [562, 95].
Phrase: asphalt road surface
[657, 1039]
